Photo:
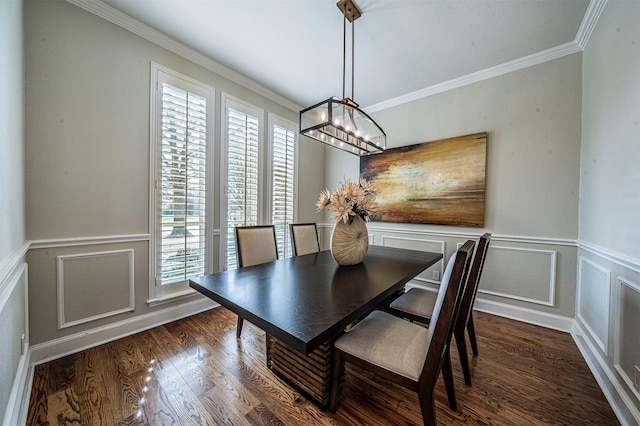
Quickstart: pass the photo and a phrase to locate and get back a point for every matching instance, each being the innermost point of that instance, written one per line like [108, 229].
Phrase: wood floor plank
[195, 371]
[62, 374]
[254, 377]
[128, 355]
[64, 408]
[38, 411]
[122, 390]
[92, 397]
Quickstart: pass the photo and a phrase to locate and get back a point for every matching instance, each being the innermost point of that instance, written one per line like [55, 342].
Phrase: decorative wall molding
[61, 260]
[589, 22]
[615, 392]
[10, 283]
[530, 316]
[378, 227]
[87, 241]
[550, 301]
[420, 235]
[18, 403]
[21, 387]
[619, 339]
[10, 264]
[114, 16]
[582, 314]
[612, 256]
[506, 68]
[518, 313]
[57, 348]
[582, 37]
[173, 297]
[385, 238]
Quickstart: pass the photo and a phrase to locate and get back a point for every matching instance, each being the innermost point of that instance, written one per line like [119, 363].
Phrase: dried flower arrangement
[348, 200]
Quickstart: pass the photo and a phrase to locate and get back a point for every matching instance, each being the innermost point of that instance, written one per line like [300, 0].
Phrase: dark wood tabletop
[306, 300]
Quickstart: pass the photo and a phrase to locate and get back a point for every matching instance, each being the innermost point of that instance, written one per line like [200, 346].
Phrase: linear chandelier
[340, 122]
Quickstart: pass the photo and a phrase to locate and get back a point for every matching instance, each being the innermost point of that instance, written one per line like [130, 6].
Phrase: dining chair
[417, 305]
[304, 238]
[254, 245]
[406, 353]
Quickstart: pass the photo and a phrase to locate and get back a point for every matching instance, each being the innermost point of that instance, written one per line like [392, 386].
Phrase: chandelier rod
[344, 55]
[344, 59]
[351, 115]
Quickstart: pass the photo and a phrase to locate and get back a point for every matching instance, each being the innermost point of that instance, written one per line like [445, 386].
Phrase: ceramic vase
[349, 241]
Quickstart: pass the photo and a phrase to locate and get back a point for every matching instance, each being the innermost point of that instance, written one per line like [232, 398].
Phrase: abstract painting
[440, 182]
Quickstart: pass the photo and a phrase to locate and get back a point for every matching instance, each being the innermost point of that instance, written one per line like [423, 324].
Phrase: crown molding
[508, 67]
[114, 16]
[589, 22]
[123, 20]
[591, 16]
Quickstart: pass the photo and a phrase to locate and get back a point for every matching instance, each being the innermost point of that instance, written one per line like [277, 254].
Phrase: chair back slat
[255, 245]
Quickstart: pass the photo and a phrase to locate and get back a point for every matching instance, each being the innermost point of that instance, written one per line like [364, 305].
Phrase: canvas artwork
[440, 182]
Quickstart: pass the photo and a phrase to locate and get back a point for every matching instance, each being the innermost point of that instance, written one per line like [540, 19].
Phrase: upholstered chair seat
[388, 342]
[416, 302]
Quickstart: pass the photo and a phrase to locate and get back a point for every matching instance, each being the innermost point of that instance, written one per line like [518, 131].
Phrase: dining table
[304, 303]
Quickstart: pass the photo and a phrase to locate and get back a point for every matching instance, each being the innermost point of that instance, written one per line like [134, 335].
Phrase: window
[283, 155]
[243, 140]
[180, 173]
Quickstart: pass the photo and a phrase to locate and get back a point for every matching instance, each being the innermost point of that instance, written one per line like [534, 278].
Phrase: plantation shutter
[242, 176]
[283, 156]
[182, 185]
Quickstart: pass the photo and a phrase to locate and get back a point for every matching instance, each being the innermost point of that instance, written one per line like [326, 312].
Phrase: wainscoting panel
[531, 271]
[94, 285]
[431, 275]
[14, 330]
[593, 301]
[627, 349]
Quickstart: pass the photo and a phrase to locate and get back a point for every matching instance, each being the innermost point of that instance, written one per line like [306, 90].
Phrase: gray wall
[87, 160]
[608, 304]
[12, 224]
[533, 121]
[87, 145]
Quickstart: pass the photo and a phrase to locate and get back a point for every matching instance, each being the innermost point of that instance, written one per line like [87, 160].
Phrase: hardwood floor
[194, 371]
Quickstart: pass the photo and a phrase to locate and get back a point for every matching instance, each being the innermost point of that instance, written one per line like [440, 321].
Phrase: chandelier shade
[340, 122]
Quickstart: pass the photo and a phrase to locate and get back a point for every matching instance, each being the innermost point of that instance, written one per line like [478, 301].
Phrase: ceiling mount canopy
[340, 122]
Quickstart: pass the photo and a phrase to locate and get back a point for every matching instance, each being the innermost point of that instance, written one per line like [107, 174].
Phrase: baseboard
[57, 348]
[613, 389]
[17, 405]
[531, 316]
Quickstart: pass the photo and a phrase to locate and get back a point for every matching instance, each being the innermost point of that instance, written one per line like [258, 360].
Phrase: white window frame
[275, 120]
[227, 102]
[159, 294]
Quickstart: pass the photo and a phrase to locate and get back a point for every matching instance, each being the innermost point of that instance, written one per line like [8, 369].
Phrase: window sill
[174, 297]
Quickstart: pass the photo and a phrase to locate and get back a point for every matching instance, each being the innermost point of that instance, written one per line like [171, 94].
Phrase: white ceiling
[294, 47]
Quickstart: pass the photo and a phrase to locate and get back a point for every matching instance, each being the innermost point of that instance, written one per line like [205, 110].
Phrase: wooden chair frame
[465, 318]
[242, 262]
[437, 358]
